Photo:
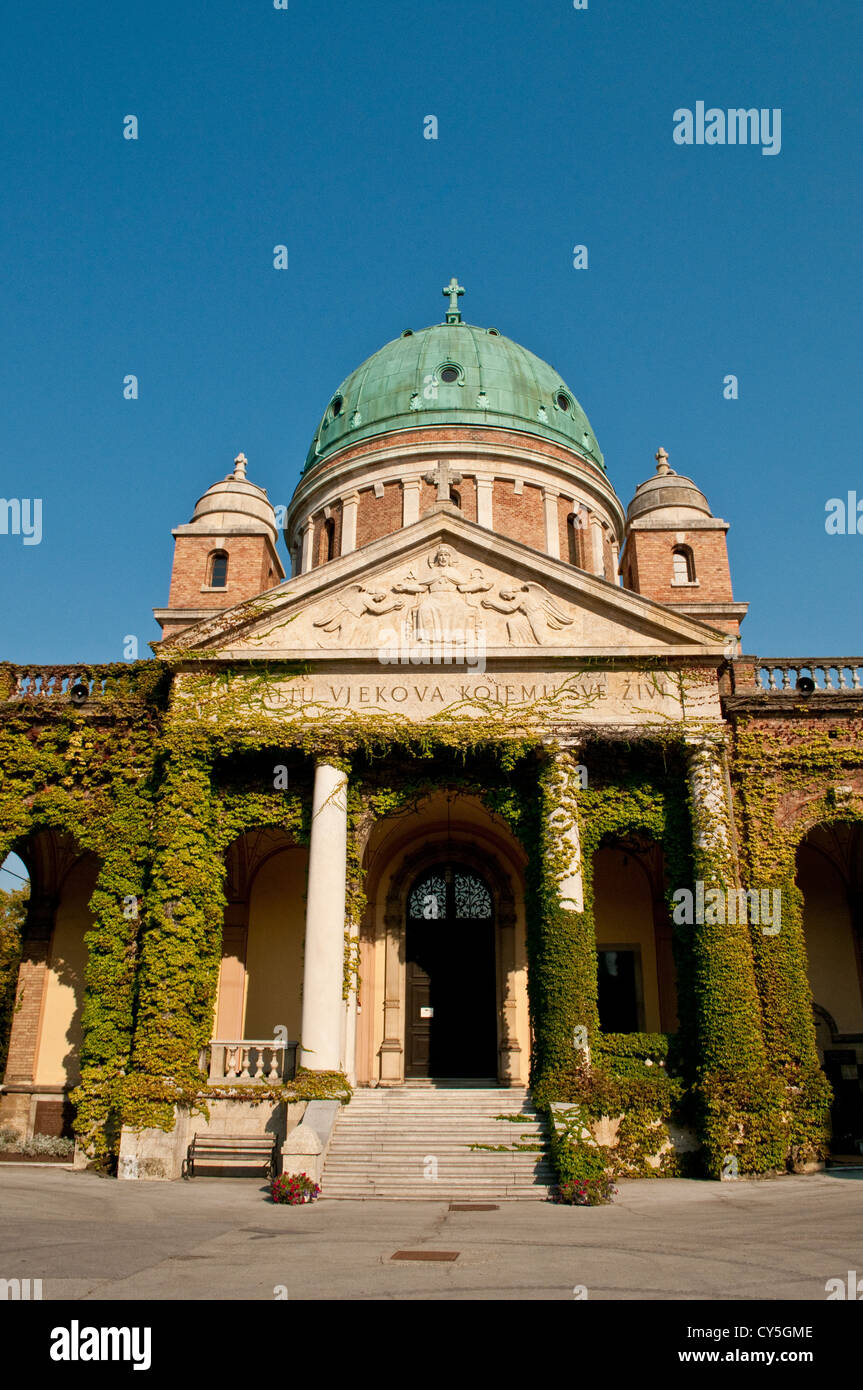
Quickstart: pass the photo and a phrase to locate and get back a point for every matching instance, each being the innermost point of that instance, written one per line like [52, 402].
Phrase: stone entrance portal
[450, 1012]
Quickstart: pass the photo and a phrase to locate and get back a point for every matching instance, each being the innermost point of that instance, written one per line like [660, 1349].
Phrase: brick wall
[649, 566]
[520, 517]
[379, 516]
[250, 560]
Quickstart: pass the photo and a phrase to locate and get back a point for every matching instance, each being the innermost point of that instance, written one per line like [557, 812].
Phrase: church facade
[471, 782]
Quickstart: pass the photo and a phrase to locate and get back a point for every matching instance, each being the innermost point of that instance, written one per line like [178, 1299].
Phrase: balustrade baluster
[244, 1074]
[259, 1065]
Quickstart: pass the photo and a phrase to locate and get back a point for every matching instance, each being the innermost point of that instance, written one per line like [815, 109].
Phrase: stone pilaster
[484, 502]
[411, 491]
[308, 536]
[552, 534]
[323, 971]
[350, 503]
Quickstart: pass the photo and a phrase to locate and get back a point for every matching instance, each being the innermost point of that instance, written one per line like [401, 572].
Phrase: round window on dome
[562, 402]
[337, 406]
[450, 374]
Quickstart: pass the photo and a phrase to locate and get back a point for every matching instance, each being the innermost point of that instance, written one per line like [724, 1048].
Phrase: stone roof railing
[35, 683]
[809, 674]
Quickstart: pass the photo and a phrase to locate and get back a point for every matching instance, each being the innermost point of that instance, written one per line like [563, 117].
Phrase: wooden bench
[232, 1151]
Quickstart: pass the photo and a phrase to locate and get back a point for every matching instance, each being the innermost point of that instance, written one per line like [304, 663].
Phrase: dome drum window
[336, 406]
[563, 402]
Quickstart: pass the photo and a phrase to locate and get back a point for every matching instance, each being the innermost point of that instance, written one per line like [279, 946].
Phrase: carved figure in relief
[532, 611]
[354, 605]
[441, 608]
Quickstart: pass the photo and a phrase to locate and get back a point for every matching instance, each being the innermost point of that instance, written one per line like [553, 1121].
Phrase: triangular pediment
[445, 580]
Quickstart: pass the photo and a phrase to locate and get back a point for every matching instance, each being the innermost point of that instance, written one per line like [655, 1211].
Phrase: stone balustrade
[76, 683]
[836, 673]
[250, 1061]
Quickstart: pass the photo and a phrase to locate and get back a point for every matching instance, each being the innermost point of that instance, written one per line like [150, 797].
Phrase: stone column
[411, 491]
[563, 818]
[730, 1035]
[565, 954]
[484, 496]
[323, 973]
[552, 532]
[350, 504]
[17, 1102]
[308, 535]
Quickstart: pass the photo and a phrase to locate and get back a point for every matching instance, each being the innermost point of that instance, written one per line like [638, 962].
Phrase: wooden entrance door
[451, 1006]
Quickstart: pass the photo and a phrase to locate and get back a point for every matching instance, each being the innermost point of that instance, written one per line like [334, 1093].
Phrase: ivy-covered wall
[165, 770]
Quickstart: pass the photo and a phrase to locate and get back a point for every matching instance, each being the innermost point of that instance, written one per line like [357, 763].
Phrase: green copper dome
[453, 373]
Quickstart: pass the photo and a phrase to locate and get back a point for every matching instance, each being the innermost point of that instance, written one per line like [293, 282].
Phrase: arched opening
[218, 570]
[328, 541]
[576, 524]
[14, 899]
[444, 830]
[261, 973]
[637, 985]
[830, 877]
[44, 1041]
[682, 565]
[450, 1014]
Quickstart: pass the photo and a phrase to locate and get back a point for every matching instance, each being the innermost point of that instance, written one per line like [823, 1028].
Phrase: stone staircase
[414, 1143]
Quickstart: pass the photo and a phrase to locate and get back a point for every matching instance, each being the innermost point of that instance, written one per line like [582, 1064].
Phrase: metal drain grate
[426, 1255]
[474, 1206]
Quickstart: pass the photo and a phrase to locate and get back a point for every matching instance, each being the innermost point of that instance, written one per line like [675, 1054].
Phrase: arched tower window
[219, 570]
[682, 565]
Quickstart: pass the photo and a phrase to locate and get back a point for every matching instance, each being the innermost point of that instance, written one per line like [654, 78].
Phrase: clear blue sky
[304, 127]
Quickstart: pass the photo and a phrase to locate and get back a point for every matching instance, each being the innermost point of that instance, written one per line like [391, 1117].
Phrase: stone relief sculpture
[354, 604]
[443, 607]
[532, 611]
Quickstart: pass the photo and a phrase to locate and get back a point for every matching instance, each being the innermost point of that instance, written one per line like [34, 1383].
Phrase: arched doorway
[830, 876]
[451, 997]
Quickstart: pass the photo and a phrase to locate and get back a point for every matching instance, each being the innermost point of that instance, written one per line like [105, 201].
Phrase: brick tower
[675, 550]
[225, 555]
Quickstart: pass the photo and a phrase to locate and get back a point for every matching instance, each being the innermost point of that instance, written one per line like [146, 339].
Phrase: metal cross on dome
[454, 290]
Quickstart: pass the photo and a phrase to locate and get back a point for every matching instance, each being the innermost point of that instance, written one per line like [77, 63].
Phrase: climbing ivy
[158, 789]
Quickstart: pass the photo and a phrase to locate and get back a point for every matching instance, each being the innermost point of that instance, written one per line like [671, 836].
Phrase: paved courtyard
[88, 1237]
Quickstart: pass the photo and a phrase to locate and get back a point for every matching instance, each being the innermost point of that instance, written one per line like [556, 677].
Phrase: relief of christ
[441, 609]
